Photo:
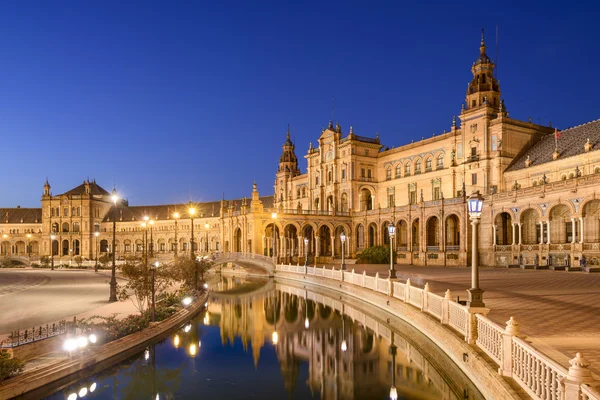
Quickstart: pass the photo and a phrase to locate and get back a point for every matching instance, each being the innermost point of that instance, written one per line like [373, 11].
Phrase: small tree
[375, 255]
[9, 366]
[45, 261]
[78, 260]
[185, 270]
[104, 260]
[139, 288]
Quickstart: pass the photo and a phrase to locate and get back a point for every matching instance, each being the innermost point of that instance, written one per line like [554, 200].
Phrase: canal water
[260, 339]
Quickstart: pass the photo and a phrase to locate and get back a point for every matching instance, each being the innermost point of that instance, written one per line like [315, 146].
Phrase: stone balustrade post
[471, 336]
[446, 307]
[425, 297]
[407, 291]
[512, 329]
[578, 375]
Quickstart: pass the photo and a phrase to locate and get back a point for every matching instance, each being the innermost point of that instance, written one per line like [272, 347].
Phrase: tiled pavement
[558, 311]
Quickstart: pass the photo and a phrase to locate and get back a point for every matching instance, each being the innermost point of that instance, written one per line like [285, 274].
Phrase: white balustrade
[349, 277]
[536, 373]
[399, 290]
[434, 304]
[415, 296]
[489, 338]
[369, 282]
[383, 285]
[458, 317]
[588, 393]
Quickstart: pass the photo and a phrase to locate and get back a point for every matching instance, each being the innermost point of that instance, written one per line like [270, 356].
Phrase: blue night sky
[179, 101]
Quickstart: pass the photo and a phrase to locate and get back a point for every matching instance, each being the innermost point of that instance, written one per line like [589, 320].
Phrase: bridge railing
[239, 255]
[540, 376]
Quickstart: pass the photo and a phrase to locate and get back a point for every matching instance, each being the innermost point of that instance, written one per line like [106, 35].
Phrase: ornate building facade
[539, 187]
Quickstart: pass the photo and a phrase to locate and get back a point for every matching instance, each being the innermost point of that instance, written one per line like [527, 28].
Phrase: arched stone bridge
[246, 260]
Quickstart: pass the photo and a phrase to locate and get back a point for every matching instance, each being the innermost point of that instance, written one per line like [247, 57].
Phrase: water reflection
[270, 340]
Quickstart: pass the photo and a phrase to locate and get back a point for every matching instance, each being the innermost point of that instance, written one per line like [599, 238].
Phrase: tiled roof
[95, 189]
[20, 215]
[165, 212]
[571, 143]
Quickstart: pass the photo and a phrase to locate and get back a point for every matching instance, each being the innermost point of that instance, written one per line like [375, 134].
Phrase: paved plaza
[34, 297]
[558, 311]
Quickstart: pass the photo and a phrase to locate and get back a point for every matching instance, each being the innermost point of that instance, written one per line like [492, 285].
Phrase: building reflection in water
[349, 353]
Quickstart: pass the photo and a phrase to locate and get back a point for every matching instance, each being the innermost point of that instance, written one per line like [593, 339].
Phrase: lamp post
[52, 238]
[29, 245]
[151, 239]
[475, 205]
[96, 234]
[206, 226]
[154, 267]
[145, 244]
[192, 212]
[393, 351]
[176, 216]
[305, 255]
[343, 239]
[274, 216]
[392, 233]
[113, 277]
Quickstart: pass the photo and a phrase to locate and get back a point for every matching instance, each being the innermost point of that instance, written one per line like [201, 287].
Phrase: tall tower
[46, 188]
[484, 89]
[288, 168]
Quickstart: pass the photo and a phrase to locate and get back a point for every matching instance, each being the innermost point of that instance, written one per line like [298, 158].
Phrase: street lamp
[154, 268]
[113, 275]
[145, 243]
[274, 216]
[192, 212]
[29, 245]
[305, 255]
[96, 234]
[392, 233]
[151, 239]
[52, 238]
[343, 239]
[176, 216]
[475, 205]
[206, 226]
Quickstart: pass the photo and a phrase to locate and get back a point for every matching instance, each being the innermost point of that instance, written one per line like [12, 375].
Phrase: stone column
[317, 246]
[541, 232]
[520, 233]
[548, 226]
[332, 246]
[347, 247]
[581, 229]
[574, 232]
[494, 234]
[514, 237]
[300, 246]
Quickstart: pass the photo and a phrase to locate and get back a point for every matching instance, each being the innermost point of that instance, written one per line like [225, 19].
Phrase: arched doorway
[452, 232]
[290, 234]
[530, 228]
[54, 248]
[372, 239]
[385, 233]
[5, 248]
[415, 234]
[591, 222]
[76, 247]
[402, 236]
[65, 247]
[503, 222]
[338, 241]
[271, 240]
[237, 240]
[561, 228]
[104, 246]
[366, 202]
[20, 248]
[308, 233]
[324, 241]
[433, 234]
[330, 204]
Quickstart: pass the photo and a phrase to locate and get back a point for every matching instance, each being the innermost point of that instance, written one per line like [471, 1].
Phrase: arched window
[330, 176]
[428, 166]
[303, 192]
[407, 169]
[398, 171]
[75, 226]
[440, 161]
[65, 227]
[388, 173]
[55, 227]
[418, 167]
[298, 193]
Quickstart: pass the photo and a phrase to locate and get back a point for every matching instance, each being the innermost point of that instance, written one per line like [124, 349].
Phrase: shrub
[9, 366]
[45, 261]
[375, 255]
[78, 260]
